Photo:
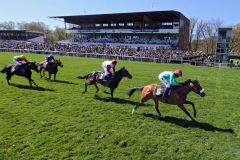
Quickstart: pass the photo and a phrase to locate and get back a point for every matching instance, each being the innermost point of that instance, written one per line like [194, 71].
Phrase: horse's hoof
[161, 117]
[96, 95]
[194, 121]
[83, 92]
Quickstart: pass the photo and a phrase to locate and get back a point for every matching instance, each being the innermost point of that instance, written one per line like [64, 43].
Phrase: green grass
[59, 122]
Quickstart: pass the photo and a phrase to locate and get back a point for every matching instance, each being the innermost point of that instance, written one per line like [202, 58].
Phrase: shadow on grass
[31, 88]
[186, 124]
[61, 81]
[117, 100]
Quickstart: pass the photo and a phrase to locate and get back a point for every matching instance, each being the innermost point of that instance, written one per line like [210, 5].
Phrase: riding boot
[105, 80]
[165, 95]
[47, 66]
[15, 68]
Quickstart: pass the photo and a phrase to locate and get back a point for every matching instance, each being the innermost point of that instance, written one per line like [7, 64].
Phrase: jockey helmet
[178, 72]
[114, 61]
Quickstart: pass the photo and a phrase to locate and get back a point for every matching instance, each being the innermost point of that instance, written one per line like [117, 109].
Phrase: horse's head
[59, 63]
[33, 66]
[125, 73]
[196, 87]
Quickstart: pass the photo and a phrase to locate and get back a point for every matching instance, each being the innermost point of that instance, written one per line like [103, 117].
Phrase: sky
[40, 10]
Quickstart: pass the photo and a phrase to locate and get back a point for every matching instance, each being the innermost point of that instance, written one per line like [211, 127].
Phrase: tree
[60, 34]
[211, 29]
[10, 25]
[35, 26]
[193, 22]
[235, 41]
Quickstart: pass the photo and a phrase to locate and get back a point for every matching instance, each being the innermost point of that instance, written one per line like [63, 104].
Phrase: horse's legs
[142, 100]
[40, 72]
[96, 88]
[49, 75]
[157, 108]
[43, 75]
[54, 76]
[86, 84]
[185, 111]
[33, 82]
[30, 81]
[135, 108]
[8, 77]
[193, 106]
[112, 91]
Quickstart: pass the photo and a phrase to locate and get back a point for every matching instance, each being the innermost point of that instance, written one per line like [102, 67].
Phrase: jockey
[48, 59]
[168, 78]
[108, 67]
[18, 61]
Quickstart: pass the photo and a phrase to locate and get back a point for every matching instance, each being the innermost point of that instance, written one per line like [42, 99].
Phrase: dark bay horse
[96, 77]
[24, 70]
[178, 95]
[52, 69]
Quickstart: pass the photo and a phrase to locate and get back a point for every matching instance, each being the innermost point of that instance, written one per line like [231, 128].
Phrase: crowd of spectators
[170, 42]
[166, 53]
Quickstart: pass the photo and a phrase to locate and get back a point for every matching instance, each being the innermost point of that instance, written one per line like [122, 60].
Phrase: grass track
[58, 122]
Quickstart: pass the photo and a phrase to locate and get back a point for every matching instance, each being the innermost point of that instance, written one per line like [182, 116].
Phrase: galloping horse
[96, 77]
[178, 95]
[24, 70]
[52, 69]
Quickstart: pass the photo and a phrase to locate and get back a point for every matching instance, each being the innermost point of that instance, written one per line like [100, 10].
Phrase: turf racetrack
[57, 121]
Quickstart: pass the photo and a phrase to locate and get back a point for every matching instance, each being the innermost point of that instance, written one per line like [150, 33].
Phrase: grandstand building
[22, 35]
[169, 28]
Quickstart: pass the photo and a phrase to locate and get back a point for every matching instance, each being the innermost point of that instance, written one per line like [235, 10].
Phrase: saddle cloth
[161, 90]
[97, 74]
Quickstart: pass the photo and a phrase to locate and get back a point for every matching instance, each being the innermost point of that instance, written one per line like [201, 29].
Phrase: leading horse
[52, 69]
[96, 77]
[177, 97]
[24, 70]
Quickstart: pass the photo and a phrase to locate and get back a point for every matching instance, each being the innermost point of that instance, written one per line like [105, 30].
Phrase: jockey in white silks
[109, 69]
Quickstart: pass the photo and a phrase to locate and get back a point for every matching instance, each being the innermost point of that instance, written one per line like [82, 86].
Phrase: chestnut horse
[178, 95]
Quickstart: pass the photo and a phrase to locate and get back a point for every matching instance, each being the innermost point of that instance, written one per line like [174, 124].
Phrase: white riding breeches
[165, 81]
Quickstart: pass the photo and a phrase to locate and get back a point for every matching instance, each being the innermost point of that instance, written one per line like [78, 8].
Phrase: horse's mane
[123, 68]
[189, 81]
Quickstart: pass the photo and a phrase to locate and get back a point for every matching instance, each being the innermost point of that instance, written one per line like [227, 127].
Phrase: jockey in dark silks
[48, 60]
[18, 61]
[168, 78]
[109, 70]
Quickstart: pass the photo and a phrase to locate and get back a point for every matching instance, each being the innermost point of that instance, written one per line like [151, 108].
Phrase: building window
[113, 24]
[105, 25]
[97, 25]
[129, 24]
[121, 24]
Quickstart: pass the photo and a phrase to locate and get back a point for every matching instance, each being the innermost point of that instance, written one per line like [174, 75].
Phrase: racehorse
[177, 97]
[97, 77]
[52, 69]
[24, 70]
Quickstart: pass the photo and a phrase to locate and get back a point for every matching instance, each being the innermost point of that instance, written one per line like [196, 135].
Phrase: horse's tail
[83, 76]
[132, 90]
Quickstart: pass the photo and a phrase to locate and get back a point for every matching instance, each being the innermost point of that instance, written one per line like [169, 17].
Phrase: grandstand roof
[122, 17]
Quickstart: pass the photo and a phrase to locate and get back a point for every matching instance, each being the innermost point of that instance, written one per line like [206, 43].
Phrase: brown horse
[24, 70]
[52, 69]
[178, 95]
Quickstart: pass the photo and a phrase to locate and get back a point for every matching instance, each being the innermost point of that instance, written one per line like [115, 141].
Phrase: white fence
[129, 58]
